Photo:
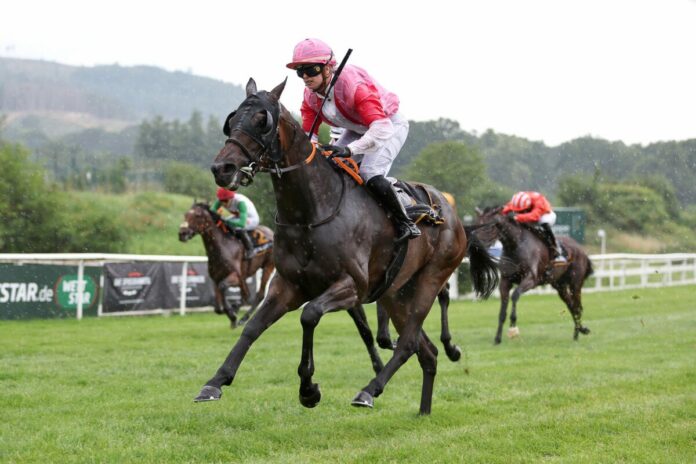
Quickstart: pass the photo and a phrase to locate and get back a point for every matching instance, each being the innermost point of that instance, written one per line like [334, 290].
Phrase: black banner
[152, 285]
[199, 286]
[132, 286]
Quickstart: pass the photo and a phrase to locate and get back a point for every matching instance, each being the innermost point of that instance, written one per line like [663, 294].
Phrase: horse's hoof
[513, 332]
[454, 354]
[208, 393]
[312, 398]
[363, 400]
[387, 344]
[496, 341]
[584, 330]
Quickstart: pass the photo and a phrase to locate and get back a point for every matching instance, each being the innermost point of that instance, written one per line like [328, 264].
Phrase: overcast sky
[549, 70]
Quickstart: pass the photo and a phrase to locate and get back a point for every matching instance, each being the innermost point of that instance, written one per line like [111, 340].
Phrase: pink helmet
[521, 201]
[311, 51]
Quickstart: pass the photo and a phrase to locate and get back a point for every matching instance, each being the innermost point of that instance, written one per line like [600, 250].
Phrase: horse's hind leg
[358, 314]
[384, 339]
[427, 358]
[452, 350]
[504, 290]
[571, 296]
[407, 313]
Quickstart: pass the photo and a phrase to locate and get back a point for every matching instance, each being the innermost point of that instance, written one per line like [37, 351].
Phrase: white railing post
[644, 273]
[182, 289]
[100, 307]
[80, 287]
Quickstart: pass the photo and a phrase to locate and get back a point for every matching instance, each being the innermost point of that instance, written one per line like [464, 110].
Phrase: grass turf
[121, 389]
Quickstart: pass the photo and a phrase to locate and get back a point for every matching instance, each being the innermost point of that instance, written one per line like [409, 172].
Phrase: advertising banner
[132, 286]
[199, 286]
[46, 291]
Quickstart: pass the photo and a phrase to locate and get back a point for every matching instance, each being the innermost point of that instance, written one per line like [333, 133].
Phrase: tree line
[630, 187]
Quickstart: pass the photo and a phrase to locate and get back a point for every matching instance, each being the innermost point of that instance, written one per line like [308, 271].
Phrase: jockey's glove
[334, 150]
[224, 213]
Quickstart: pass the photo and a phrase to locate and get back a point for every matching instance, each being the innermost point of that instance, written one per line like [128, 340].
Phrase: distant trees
[456, 168]
[188, 179]
[37, 217]
[186, 142]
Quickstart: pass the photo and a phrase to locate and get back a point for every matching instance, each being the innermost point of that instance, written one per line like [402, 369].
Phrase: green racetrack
[121, 389]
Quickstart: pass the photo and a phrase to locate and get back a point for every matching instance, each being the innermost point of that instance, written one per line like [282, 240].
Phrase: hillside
[58, 99]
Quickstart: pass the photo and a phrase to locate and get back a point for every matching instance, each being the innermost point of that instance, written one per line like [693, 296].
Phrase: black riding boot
[246, 241]
[552, 243]
[386, 196]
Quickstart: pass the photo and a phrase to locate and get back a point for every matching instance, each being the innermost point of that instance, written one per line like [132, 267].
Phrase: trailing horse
[333, 246]
[226, 264]
[527, 262]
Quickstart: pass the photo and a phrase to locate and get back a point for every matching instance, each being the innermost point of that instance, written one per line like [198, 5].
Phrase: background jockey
[533, 207]
[239, 214]
[374, 130]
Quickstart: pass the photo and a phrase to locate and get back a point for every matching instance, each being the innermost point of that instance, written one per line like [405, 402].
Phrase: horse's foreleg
[358, 314]
[219, 303]
[526, 284]
[230, 310]
[452, 350]
[504, 290]
[282, 297]
[384, 339]
[340, 295]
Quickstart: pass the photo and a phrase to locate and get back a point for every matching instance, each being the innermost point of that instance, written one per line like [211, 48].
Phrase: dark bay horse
[227, 268]
[333, 246]
[524, 263]
[226, 264]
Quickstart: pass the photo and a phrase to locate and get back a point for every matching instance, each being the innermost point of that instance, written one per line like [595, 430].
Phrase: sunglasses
[310, 70]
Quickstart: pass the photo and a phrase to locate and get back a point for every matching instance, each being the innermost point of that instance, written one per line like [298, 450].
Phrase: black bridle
[266, 137]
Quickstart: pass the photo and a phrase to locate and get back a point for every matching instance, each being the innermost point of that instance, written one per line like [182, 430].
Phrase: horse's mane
[204, 205]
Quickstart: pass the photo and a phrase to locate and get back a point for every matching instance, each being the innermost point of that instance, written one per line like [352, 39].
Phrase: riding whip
[328, 90]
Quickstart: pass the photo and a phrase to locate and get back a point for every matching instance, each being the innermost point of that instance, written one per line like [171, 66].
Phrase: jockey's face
[317, 83]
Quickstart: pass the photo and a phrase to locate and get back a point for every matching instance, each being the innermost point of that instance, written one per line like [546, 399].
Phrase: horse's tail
[590, 270]
[484, 273]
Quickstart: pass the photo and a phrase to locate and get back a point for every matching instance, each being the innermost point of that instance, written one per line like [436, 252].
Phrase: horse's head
[197, 219]
[252, 132]
[487, 214]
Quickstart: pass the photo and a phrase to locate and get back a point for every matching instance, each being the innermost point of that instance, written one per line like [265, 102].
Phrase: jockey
[374, 129]
[239, 214]
[534, 208]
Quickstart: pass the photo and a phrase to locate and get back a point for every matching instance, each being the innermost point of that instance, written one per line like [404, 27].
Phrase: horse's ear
[278, 90]
[251, 87]
[478, 210]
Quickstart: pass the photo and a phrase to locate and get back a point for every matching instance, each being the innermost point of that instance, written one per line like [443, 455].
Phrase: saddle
[259, 239]
[418, 203]
[415, 198]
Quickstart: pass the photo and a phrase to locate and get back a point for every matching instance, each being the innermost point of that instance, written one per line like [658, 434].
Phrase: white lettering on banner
[192, 279]
[132, 281]
[24, 292]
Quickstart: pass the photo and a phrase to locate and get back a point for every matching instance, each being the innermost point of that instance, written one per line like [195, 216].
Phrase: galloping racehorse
[333, 246]
[524, 263]
[226, 264]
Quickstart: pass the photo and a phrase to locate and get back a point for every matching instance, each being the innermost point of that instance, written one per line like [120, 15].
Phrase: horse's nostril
[222, 168]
